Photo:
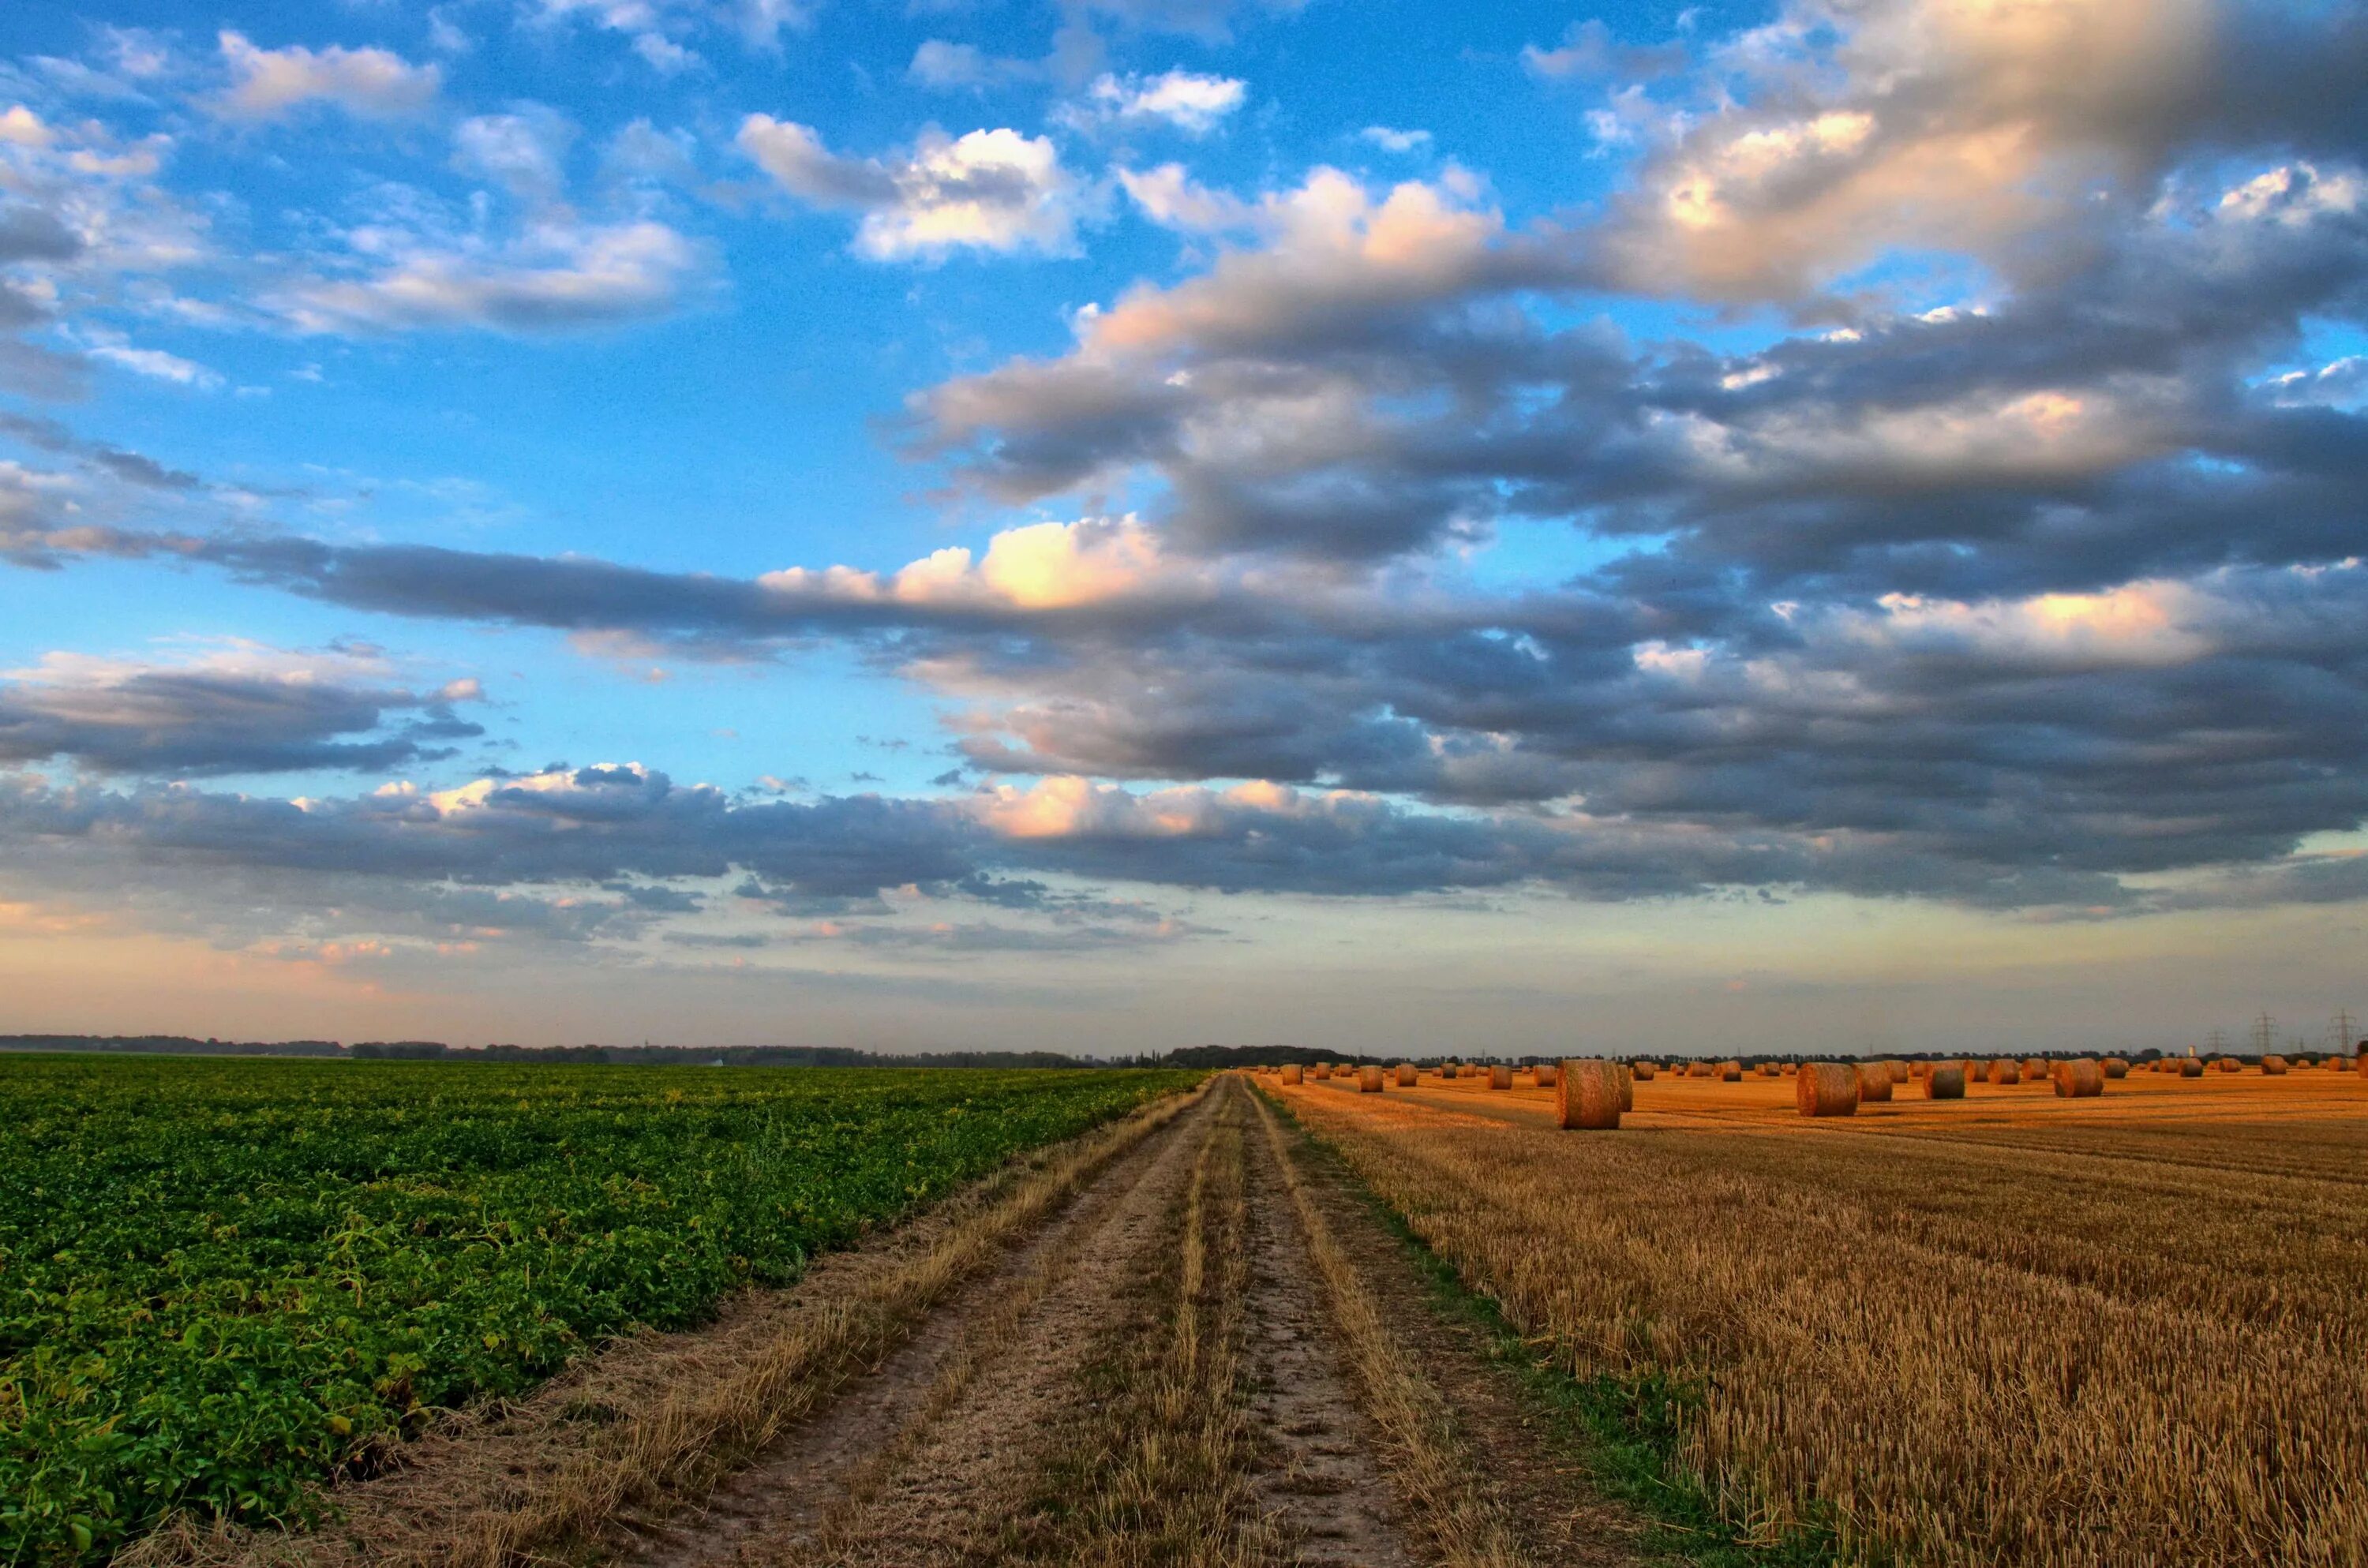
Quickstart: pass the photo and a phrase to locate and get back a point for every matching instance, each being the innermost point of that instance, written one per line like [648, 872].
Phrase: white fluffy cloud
[268, 83]
[1188, 101]
[994, 191]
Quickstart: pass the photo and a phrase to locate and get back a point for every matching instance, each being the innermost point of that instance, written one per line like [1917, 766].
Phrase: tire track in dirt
[1197, 1343]
[910, 1465]
[1322, 1478]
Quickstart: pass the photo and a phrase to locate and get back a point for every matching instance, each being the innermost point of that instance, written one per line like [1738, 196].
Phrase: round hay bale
[2273, 1066]
[1730, 1072]
[1627, 1087]
[2191, 1067]
[1898, 1071]
[2080, 1080]
[1919, 1069]
[1406, 1075]
[1827, 1088]
[1698, 1070]
[2114, 1067]
[1293, 1074]
[1945, 1081]
[1447, 1069]
[1873, 1081]
[1543, 1076]
[2005, 1072]
[1320, 1072]
[2360, 1062]
[1501, 1077]
[2335, 1064]
[2034, 1070]
[1369, 1080]
[1587, 1095]
[1645, 1071]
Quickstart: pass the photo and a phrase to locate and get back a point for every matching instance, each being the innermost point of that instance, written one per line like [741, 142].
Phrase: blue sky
[1646, 512]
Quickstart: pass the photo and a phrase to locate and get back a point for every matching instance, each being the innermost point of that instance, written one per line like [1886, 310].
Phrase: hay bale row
[1829, 1088]
[1588, 1094]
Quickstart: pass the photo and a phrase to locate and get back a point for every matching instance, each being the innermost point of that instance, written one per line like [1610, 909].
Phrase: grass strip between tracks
[1161, 1476]
[1622, 1431]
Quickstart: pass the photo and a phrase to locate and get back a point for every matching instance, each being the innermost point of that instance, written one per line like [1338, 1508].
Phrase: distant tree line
[613, 1055]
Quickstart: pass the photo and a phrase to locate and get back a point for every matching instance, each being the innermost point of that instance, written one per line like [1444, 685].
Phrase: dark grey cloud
[30, 233]
[196, 723]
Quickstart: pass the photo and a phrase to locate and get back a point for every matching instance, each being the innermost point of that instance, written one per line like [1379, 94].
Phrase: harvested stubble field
[2010, 1329]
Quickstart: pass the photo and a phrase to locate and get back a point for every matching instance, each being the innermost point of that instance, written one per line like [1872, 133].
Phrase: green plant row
[221, 1281]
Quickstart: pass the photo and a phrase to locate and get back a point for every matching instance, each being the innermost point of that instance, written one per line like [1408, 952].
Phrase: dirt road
[1181, 1340]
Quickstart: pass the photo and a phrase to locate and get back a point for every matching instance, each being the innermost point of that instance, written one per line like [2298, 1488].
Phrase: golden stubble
[2010, 1329]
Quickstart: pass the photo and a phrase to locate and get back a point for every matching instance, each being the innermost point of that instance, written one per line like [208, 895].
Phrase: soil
[935, 1455]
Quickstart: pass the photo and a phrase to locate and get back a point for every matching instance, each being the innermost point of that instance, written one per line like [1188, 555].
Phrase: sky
[1119, 524]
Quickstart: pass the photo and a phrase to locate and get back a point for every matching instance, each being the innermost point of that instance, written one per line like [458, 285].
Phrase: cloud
[556, 275]
[1169, 196]
[1185, 100]
[524, 151]
[1393, 140]
[244, 711]
[993, 190]
[371, 84]
[652, 28]
[1210, 19]
[156, 365]
[1840, 132]
[943, 65]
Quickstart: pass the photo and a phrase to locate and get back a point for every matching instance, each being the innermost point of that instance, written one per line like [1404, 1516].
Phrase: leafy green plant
[221, 1281]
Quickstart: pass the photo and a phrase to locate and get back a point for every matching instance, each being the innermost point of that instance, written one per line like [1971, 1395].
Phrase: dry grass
[1163, 1474]
[2011, 1329]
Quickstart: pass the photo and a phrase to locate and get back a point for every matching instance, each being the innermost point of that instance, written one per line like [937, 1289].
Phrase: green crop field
[221, 1279]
